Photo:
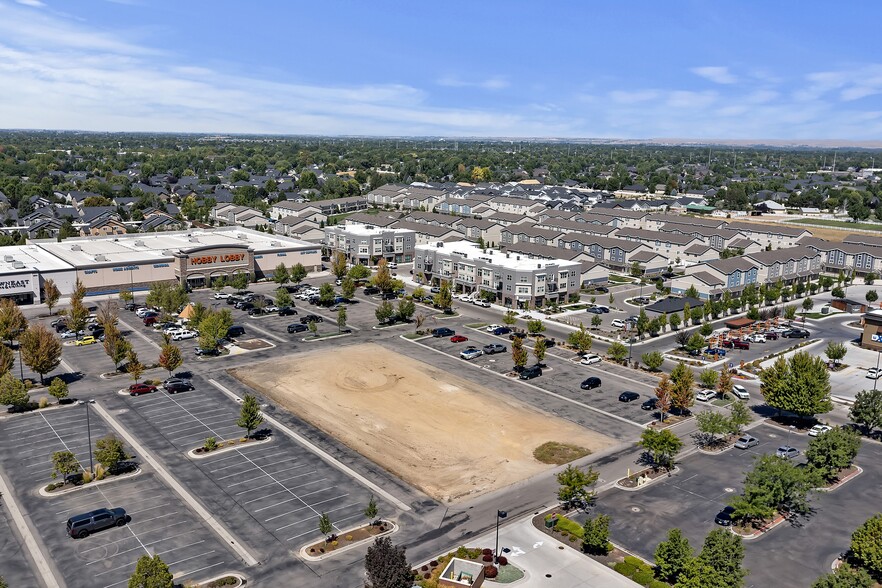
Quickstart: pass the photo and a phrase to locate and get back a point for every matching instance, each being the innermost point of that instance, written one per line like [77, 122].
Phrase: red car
[737, 344]
[138, 389]
[459, 339]
[150, 320]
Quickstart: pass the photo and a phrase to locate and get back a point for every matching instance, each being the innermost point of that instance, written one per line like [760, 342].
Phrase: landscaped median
[347, 539]
[113, 463]
[644, 478]
[470, 562]
[228, 580]
[213, 447]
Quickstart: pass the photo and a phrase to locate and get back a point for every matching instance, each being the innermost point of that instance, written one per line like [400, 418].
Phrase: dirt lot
[447, 436]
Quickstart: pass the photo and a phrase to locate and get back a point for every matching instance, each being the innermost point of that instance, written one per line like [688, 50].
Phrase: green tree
[773, 484]
[800, 385]
[58, 389]
[51, 294]
[687, 314]
[406, 309]
[672, 556]
[249, 416]
[709, 378]
[12, 321]
[298, 273]
[838, 292]
[535, 326]
[444, 298]
[642, 322]
[723, 552]
[867, 410]
[674, 319]
[870, 278]
[326, 294]
[338, 265]
[509, 318]
[324, 524]
[13, 392]
[831, 452]
[170, 357]
[699, 574]
[696, 315]
[866, 545]
[384, 312]
[682, 384]
[341, 319]
[151, 572]
[283, 298]
[653, 360]
[706, 329]
[695, 342]
[371, 511]
[574, 485]
[383, 278]
[64, 463]
[595, 535]
[807, 305]
[581, 339]
[110, 451]
[518, 353]
[739, 416]
[845, 576]
[835, 351]
[133, 365]
[213, 327]
[169, 298]
[386, 565]
[7, 359]
[596, 321]
[790, 312]
[115, 346]
[240, 280]
[40, 349]
[661, 446]
[710, 424]
[313, 328]
[539, 350]
[871, 296]
[359, 272]
[724, 382]
[617, 352]
[281, 275]
[347, 288]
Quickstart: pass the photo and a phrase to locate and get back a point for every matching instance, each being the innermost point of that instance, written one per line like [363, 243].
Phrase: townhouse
[672, 245]
[304, 210]
[519, 206]
[506, 219]
[616, 254]
[303, 229]
[775, 235]
[618, 218]
[462, 205]
[861, 258]
[592, 273]
[487, 230]
[517, 281]
[529, 234]
[426, 233]
[366, 245]
[574, 226]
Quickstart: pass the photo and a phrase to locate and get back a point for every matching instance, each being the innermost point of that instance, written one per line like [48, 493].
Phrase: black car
[493, 348]
[371, 290]
[232, 300]
[594, 310]
[207, 352]
[246, 306]
[61, 327]
[255, 311]
[443, 332]
[236, 331]
[724, 517]
[311, 318]
[297, 328]
[628, 396]
[650, 404]
[80, 526]
[528, 373]
[175, 385]
[389, 295]
[131, 306]
[287, 311]
[601, 289]
[591, 383]
[501, 331]
[796, 334]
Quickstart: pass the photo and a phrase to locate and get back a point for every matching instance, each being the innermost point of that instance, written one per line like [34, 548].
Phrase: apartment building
[518, 281]
[776, 236]
[366, 245]
[861, 258]
[616, 254]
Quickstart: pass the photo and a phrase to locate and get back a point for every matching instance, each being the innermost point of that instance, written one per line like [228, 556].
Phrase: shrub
[643, 577]
[570, 526]
[425, 568]
[634, 561]
[434, 563]
[658, 584]
[625, 569]
[487, 551]
[490, 571]
[487, 557]
[44, 402]
[427, 575]
[334, 542]
[349, 537]
[53, 486]
[210, 444]
[502, 560]
[87, 477]
[100, 472]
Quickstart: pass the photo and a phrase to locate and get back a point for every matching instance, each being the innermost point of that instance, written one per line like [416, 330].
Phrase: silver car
[746, 442]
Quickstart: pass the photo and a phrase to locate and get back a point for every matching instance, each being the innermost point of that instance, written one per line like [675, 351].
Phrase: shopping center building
[107, 264]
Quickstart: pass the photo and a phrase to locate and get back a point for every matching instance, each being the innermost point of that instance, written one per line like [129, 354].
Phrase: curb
[841, 483]
[315, 339]
[45, 494]
[193, 455]
[761, 532]
[303, 553]
[649, 483]
[237, 575]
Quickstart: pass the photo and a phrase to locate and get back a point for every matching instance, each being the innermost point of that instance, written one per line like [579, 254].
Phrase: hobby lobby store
[105, 265]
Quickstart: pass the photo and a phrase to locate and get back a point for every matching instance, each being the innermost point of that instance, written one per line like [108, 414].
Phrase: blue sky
[645, 69]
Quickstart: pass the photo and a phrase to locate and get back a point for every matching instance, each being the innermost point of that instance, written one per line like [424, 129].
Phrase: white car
[185, 334]
[221, 295]
[740, 392]
[591, 359]
[819, 430]
[143, 310]
[71, 334]
[492, 328]
[470, 353]
[874, 373]
[481, 303]
[271, 308]
[618, 323]
[758, 338]
[705, 395]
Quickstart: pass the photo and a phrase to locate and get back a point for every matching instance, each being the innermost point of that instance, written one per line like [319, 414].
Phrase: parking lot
[800, 550]
[281, 485]
[160, 523]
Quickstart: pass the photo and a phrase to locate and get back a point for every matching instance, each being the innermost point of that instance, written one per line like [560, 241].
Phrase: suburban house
[520, 233]
[305, 210]
[304, 229]
[488, 230]
[671, 245]
[614, 253]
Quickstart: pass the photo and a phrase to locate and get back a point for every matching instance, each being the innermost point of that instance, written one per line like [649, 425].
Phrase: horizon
[687, 72]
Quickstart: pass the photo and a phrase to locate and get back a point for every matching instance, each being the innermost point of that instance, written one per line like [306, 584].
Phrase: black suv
[81, 525]
[174, 385]
[590, 383]
[371, 290]
[297, 328]
[443, 332]
[528, 373]
[287, 311]
[311, 318]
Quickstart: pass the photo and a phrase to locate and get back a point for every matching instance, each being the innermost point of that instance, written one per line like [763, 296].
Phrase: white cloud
[491, 83]
[633, 96]
[33, 3]
[715, 73]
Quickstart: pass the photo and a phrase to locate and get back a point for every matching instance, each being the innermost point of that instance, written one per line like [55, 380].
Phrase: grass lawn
[336, 218]
[621, 279]
[559, 453]
[822, 222]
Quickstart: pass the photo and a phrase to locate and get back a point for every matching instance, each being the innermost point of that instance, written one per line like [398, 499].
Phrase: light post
[20, 362]
[876, 379]
[89, 433]
[500, 514]
[790, 435]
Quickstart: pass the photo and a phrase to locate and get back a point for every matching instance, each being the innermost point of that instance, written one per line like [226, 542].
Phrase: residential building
[366, 244]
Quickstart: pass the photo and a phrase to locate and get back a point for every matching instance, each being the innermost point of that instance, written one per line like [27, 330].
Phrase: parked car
[618, 323]
[517, 335]
[736, 344]
[640, 300]
[771, 335]
[470, 352]
[138, 389]
[650, 404]
[131, 306]
[819, 430]
[371, 290]
[787, 452]
[287, 311]
[746, 441]
[591, 359]
[590, 383]
[435, 290]
[184, 334]
[209, 352]
[150, 320]
[740, 392]
[603, 309]
[297, 328]
[459, 339]
[501, 331]
[443, 332]
[141, 312]
[628, 396]
[311, 318]
[255, 311]
[89, 340]
[724, 517]
[528, 373]
[757, 338]
[59, 326]
[705, 395]
[874, 373]
[235, 331]
[718, 351]
[494, 348]
[175, 385]
[481, 302]
[491, 328]
[221, 295]
[601, 289]
[82, 525]
[594, 310]
[796, 334]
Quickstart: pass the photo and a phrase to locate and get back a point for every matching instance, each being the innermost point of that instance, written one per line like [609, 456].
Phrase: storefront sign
[210, 259]
[15, 284]
[876, 337]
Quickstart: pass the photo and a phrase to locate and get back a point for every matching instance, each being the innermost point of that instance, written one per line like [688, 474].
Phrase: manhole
[773, 435]
[728, 489]
[635, 509]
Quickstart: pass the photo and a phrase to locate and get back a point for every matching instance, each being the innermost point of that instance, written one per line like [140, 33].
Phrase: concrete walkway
[544, 564]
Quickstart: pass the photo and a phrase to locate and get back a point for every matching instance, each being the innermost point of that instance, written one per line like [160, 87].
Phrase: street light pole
[876, 379]
[500, 514]
[89, 433]
[20, 362]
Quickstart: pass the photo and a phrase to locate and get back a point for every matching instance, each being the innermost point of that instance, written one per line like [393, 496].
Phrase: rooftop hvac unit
[76, 248]
[242, 236]
[193, 240]
[8, 258]
[18, 265]
[138, 243]
[275, 244]
[100, 257]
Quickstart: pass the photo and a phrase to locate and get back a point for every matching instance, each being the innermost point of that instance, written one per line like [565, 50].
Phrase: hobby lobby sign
[209, 259]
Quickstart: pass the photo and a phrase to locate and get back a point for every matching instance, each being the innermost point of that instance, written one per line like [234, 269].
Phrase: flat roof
[138, 247]
[369, 230]
[469, 250]
[32, 257]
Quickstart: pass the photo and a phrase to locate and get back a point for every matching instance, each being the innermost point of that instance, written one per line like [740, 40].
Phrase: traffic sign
[731, 365]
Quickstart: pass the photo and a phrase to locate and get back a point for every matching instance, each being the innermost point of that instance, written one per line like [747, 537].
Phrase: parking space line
[267, 333]
[139, 334]
[324, 455]
[271, 483]
[326, 512]
[304, 507]
[202, 569]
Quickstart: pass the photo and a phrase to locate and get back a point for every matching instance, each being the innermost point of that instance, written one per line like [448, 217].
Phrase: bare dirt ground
[828, 233]
[443, 434]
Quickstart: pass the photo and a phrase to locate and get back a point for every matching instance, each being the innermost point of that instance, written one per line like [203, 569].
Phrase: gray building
[366, 244]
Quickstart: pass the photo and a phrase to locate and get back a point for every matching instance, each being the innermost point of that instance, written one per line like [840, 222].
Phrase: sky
[751, 69]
